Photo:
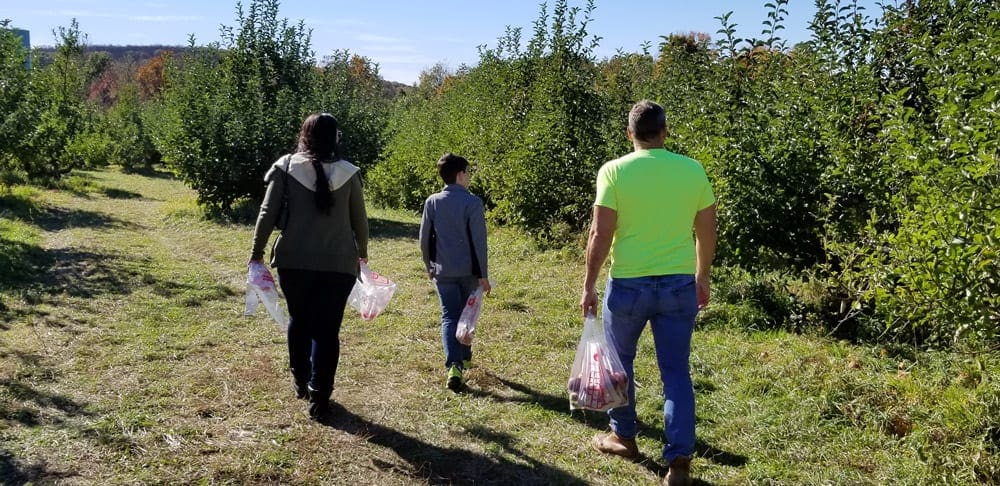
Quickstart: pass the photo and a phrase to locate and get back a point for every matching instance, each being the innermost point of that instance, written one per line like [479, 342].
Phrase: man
[453, 247]
[646, 206]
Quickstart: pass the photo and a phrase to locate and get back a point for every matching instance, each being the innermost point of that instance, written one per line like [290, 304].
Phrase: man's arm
[602, 230]
[704, 234]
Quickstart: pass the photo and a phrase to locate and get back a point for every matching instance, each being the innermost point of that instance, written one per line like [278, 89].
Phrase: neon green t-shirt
[656, 195]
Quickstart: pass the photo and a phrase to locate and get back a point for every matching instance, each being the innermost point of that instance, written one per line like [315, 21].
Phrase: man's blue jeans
[669, 303]
[453, 292]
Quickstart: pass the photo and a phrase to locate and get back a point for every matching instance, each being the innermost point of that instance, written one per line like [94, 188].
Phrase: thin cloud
[389, 48]
[71, 13]
[416, 59]
[451, 40]
[348, 22]
[165, 18]
[109, 15]
[381, 39]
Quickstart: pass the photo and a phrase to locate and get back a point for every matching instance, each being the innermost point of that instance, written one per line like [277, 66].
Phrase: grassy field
[125, 358]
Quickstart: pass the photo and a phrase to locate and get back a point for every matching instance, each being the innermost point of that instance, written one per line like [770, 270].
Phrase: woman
[325, 234]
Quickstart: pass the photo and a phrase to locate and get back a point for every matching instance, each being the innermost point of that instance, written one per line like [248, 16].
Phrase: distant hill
[140, 54]
[127, 55]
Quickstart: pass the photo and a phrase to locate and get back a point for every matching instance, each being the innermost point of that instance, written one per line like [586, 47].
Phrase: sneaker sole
[454, 383]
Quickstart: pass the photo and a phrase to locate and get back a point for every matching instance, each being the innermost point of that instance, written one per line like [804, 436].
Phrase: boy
[453, 246]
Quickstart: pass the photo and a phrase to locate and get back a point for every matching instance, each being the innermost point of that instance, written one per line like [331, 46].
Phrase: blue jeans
[316, 303]
[669, 303]
[453, 292]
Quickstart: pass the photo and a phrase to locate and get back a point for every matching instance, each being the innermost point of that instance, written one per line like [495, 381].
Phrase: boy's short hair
[449, 165]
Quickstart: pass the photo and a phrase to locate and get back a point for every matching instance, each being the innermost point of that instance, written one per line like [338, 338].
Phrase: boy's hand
[485, 284]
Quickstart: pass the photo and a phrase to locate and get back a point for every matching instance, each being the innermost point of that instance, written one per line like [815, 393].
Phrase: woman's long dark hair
[318, 138]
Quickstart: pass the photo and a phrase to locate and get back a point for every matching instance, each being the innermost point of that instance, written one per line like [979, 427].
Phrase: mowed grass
[125, 358]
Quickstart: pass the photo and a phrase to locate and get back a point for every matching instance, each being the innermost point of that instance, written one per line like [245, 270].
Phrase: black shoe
[301, 389]
[319, 404]
[300, 383]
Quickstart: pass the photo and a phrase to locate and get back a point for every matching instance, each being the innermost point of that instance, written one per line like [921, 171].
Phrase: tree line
[857, 172]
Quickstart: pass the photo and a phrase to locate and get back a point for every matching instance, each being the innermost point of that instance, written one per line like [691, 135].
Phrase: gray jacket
[312, 240]
[453, 234]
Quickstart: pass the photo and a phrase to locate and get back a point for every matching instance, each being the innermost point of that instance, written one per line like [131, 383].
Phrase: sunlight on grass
[126, 359]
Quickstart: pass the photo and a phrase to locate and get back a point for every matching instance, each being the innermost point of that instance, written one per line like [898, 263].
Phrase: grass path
[124, 358]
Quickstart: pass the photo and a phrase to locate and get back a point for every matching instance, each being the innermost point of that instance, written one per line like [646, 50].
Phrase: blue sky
[403, 37]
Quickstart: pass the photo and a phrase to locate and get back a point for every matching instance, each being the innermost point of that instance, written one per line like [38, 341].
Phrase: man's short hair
[646, 120]
[449, 165]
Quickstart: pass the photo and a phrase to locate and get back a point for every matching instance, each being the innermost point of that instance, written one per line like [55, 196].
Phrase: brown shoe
[611, 443]
[679, 473]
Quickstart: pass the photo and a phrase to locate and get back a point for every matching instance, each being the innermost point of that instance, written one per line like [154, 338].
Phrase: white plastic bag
[261, 288]
[470, 315]
[371, 293]
[598, 380]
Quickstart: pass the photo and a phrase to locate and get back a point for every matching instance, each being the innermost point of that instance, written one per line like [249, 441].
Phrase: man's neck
[647, 146]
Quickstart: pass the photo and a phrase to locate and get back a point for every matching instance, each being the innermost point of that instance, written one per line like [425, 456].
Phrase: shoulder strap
[284, 189]
[284, 175]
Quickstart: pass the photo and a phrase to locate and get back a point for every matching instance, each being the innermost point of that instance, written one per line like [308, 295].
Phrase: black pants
[316, 303]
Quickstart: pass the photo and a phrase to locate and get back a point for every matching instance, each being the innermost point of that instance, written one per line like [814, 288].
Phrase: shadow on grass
[190, 295]
[14, 473]
[599, 421]
[23, 405]
[55, 219]
[50, 218]
[120, 193]
[31, 398]
[154, 173]
[446, 465]
[83, 273]
[594, 420]
[389, 229]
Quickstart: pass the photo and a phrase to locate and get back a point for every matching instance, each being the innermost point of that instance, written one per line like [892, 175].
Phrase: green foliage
[529, 118]
[14, 89]
[933, 273]
[41, 134]
[349, 87]
[863, 160]
[133, 148]
[231, 111]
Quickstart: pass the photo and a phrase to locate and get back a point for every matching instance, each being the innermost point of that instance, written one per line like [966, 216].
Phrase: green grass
[126, 359]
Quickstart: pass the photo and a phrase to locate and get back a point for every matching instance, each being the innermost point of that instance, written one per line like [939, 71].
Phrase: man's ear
[628, 133]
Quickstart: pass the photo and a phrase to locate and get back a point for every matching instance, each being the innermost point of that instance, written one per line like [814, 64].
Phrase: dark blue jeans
[316, 303]
[453, 292]
[669, 303]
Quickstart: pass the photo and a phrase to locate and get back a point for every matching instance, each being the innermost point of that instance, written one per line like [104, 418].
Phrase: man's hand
[588, 303]
[485, 284]
[704, 290]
